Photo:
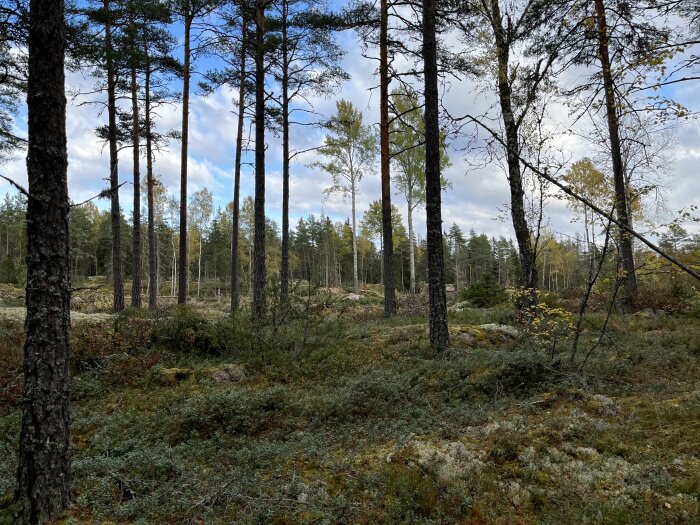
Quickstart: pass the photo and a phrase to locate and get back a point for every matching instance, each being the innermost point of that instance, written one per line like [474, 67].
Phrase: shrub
[231, 412]
[659, 298]
[486, 292]
[186, 331]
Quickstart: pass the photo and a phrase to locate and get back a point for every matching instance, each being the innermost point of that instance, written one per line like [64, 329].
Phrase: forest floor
[337, 415]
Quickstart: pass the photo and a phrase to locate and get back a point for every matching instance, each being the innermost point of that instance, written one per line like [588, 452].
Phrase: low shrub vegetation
[318, 415]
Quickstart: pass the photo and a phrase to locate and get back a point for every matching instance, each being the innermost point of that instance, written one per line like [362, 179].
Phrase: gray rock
[605, 405]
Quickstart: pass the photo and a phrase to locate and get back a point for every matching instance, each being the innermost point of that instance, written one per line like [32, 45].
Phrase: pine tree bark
[439, 334]
[235, 229]
[136, 144]
[629, 283]
[387, 231]
[284, 270]
[259, 236]
[117, 278]
[528, 266]
[152, 239]
[43, 474]
[183, 280]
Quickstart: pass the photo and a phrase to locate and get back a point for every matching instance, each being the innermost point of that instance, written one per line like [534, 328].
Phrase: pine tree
[43, 474]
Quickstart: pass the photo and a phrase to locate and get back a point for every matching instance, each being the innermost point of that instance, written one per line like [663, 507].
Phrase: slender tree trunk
[629, 283]
[355, 276]
[284, 271]
[43, 473]
[136, 143]
[523, 235]
[456, 266]
[199, 266]
[387, 230]
[259, 240]
[439, 333]
[118, 293]
[237, 177]
[411, 246]
[152, 239]
[183, 278]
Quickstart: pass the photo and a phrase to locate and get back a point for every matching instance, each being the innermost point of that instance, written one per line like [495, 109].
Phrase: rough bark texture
[43, 475]
[626, 251]
[113, 166]
[523, 235]
[184, 267]
[259, 240]
[152, 239]
[237, 176]
[284, 270]
[439, 334]
[136, 236]
[387, 232]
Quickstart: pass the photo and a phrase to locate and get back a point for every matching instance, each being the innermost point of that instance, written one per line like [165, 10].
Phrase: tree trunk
[237, 177]
[411, 246]
[43, 473]
[183, 281]
[199, 266]
[284, 271]
[629, 283]
[136, 142]
[356, 279]
[523, 235]
[118, 293]
[152, 240]
[387, 231]
[456, 266]
[259, 237]
[439, 334]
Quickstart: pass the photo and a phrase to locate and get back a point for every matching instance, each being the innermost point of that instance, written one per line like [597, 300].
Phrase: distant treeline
[321, 252]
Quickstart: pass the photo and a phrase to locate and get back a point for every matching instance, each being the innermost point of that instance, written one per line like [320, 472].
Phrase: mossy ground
[355, 419]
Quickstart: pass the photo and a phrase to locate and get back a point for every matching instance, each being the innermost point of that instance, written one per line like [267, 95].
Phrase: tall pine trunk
[259, 237]
[183, 281]
[284, 270]
[136, 144]
[387, 231]
[356, 279]
[43, 474]
[118, 283]
[523, 235]
[439, 334]
[237, 177]
[152, 239]
[629, 283]
[411, 246]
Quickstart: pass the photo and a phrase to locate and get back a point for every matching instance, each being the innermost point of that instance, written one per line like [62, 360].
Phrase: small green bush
[187, 331]
[484, 293]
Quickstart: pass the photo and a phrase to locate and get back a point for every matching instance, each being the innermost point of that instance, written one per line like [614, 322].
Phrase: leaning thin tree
[43, 475]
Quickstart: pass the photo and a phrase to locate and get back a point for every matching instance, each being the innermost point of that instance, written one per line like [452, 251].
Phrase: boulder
[230, 373]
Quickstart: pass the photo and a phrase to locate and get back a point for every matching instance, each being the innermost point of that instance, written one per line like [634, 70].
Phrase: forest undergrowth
[334, 414]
